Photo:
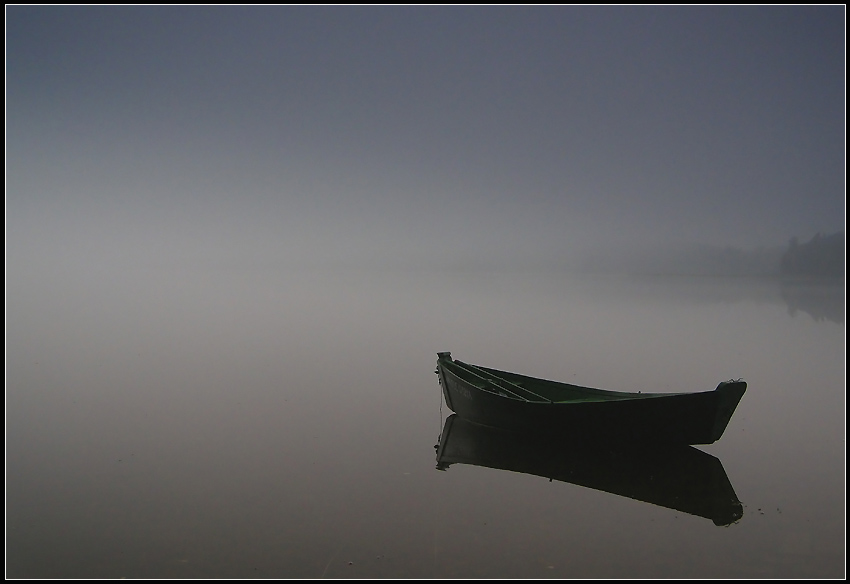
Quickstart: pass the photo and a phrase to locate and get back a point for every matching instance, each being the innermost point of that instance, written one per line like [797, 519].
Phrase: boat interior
[531, 389]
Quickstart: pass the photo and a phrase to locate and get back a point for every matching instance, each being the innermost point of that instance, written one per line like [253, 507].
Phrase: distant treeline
[823, 256]
[687, 259]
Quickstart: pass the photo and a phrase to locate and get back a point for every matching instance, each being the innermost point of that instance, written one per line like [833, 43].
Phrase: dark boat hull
[678, 477]
[695, 418]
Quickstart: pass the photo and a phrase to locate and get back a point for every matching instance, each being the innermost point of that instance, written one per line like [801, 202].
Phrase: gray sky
[431, 132]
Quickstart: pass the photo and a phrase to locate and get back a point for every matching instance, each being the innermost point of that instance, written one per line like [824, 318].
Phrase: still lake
[252, 422]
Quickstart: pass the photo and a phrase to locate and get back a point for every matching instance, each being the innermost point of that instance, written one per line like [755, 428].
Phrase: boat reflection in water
[677, 477]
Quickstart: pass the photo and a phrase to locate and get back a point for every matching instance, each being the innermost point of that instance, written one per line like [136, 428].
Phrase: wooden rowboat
[518, 402]
[678, 477]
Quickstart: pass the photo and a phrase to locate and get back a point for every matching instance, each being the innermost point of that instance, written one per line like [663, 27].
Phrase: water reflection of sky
[221, 423]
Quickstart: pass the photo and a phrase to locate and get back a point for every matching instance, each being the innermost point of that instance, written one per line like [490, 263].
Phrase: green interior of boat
[524, 388]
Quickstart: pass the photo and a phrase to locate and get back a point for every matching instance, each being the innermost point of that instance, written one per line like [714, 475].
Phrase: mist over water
[237, 238]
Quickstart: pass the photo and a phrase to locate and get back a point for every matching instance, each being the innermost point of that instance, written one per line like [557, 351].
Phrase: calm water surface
[224, 422]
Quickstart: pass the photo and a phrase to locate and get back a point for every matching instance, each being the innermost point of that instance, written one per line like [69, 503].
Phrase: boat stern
[729, 393]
